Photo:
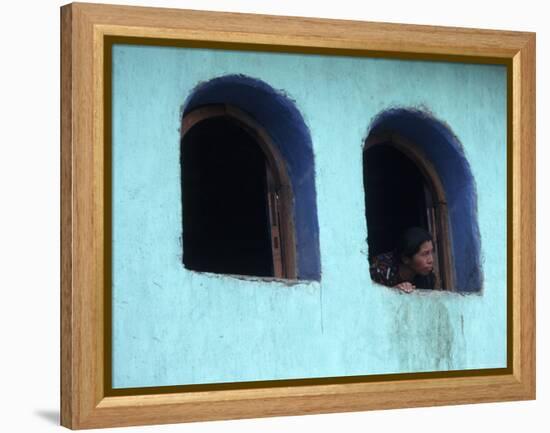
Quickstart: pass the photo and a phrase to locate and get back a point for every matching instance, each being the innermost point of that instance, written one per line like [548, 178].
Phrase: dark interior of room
[394, 196]
[225, 217]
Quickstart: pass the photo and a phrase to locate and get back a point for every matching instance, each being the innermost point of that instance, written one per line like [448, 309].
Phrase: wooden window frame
[280, 197]
[441, 218]
[88, 32]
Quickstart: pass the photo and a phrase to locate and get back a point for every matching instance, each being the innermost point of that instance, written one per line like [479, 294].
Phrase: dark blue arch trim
[436, 141]
[285, 125]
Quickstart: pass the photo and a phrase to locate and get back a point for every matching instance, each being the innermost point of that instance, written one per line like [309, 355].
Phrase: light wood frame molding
[86, 401]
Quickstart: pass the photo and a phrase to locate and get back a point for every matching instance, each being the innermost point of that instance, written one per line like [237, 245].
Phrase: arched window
[402, 190]
[416, 174]
[237, 196]
[274, 142]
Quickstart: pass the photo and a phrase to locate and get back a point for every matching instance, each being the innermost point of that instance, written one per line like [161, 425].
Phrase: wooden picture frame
[86, 401]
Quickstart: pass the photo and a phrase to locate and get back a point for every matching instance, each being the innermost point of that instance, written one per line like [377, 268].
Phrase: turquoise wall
[172, 326]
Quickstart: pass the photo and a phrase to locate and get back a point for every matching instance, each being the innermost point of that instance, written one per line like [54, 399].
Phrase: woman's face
[422, 262]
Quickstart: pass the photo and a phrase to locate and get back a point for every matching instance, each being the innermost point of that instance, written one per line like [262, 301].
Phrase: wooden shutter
[275, 225]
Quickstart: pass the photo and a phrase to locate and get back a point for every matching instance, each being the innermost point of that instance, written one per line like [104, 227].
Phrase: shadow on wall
[278, 115]
[434, 141]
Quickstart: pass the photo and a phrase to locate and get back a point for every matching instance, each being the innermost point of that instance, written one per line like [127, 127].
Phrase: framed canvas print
[266, 216]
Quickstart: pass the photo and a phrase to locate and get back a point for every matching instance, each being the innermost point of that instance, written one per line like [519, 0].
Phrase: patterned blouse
[384, 269]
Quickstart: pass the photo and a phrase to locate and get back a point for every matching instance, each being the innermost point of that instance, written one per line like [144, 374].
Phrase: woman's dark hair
[410, 241]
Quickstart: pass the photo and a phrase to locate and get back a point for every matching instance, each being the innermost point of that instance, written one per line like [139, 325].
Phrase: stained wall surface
[173, 326]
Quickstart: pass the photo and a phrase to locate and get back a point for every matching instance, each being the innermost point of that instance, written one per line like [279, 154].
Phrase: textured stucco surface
[173, 326]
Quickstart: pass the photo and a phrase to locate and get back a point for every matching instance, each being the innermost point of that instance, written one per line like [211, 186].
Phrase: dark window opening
[273, 120]
[226, 187]
[397, 196]
[394, 197]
